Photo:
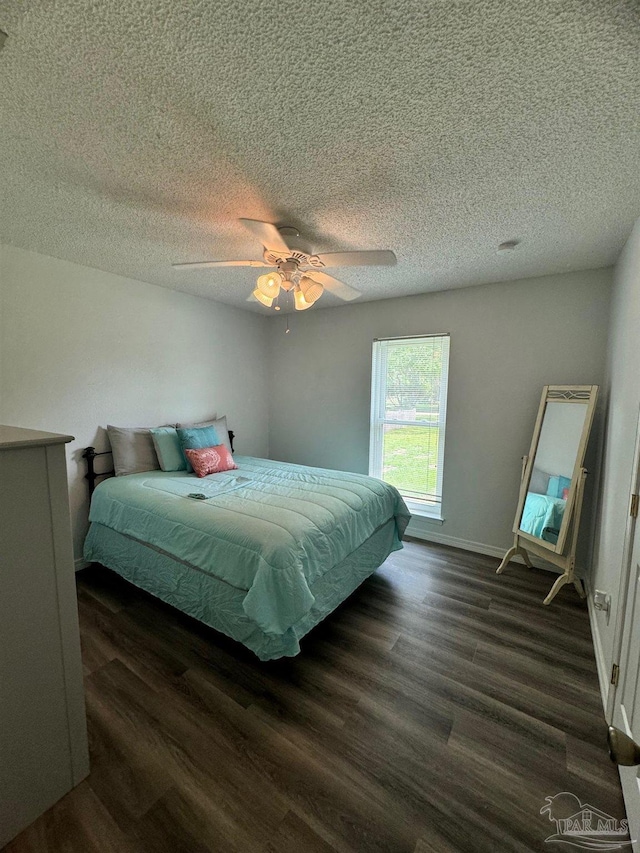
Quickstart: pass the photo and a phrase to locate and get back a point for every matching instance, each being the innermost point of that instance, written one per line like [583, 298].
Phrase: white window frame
[429, 508]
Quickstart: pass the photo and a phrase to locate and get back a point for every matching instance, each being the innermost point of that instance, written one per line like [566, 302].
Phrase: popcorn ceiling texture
[135, 133]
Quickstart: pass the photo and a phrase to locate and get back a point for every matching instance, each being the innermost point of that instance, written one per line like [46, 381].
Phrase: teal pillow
[195, 438]
[168, 449]
[557, 485]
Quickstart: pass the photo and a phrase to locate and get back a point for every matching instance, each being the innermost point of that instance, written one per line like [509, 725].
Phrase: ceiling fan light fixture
[269, 284]
[301, 303]
[290, 257]
[311, 290]
[265, 300]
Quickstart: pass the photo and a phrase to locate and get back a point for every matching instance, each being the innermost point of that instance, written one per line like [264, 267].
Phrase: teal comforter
[542, 516]
[270, 529]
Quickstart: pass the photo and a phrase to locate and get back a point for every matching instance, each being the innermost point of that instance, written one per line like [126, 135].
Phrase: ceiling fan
[296, 269]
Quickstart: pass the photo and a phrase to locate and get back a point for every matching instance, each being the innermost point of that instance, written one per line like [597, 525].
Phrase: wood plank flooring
[433, 712]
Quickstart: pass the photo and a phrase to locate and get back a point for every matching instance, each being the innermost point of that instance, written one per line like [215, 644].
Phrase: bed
[268, 551]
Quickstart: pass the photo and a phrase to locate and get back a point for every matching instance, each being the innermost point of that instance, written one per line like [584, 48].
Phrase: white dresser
[43, 736]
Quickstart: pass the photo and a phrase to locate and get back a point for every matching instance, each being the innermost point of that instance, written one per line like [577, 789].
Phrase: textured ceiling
[134, 133]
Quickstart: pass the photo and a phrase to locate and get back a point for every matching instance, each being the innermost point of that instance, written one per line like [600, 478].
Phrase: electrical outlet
[602, 601]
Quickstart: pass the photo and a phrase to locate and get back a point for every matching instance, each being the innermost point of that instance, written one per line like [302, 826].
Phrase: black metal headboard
[90, 455]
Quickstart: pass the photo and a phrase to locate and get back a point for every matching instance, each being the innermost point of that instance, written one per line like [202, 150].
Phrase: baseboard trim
[80, 564]
[601, 664]
[418, 529]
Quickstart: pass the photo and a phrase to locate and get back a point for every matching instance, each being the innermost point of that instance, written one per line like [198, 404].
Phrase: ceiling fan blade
[267, 233]
[381, 258]
[338, 288]
[203, 265]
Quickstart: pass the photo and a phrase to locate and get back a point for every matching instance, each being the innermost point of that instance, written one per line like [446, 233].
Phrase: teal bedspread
[542, 516]
[270, 530]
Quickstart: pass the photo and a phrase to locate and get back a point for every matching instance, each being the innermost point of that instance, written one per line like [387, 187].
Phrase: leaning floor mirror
[547, 519]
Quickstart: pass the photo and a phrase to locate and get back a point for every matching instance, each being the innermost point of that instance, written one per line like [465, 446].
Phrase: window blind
[408, 416]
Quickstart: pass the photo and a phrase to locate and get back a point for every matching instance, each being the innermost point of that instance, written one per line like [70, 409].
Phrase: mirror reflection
[552, 470]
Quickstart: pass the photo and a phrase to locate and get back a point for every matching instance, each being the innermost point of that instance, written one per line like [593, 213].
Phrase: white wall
[623, 379]
[80, 348]
[507, 341]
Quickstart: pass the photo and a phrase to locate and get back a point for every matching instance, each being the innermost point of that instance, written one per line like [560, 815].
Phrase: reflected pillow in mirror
[539, 482]
[557, 485]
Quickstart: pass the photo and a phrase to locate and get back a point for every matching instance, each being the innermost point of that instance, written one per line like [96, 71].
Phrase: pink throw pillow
[211, 460]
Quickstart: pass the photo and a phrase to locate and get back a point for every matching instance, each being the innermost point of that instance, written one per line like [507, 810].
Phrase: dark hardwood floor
[433, 712]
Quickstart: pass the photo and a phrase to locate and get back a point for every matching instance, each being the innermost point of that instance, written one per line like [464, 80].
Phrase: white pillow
[220, 425]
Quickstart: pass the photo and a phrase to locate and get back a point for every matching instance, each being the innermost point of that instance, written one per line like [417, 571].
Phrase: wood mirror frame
[524, 541]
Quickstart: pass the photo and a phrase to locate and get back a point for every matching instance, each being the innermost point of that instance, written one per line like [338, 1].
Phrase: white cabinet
[43, 737]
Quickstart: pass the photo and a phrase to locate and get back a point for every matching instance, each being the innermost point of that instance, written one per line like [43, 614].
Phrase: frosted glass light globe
[312, 290]
[266, 300]
[269, 284]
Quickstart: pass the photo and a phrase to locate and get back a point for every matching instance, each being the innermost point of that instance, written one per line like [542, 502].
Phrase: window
[408, 416]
